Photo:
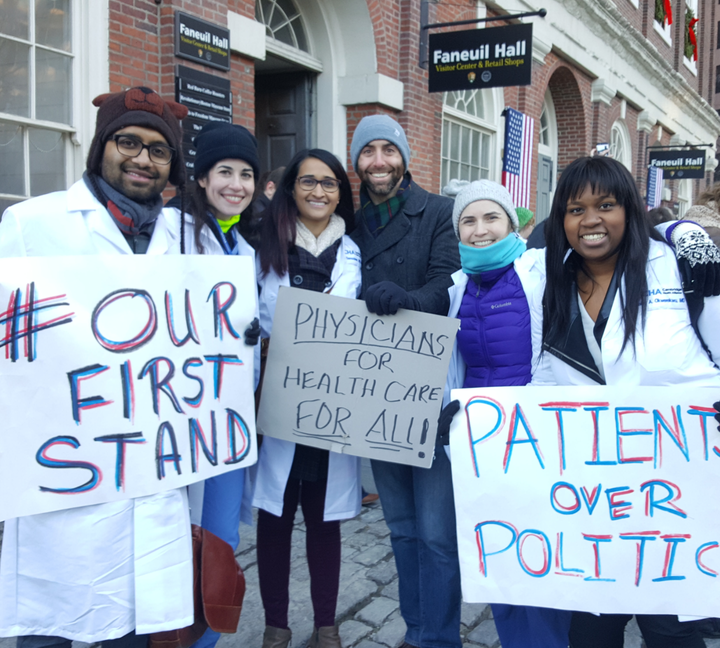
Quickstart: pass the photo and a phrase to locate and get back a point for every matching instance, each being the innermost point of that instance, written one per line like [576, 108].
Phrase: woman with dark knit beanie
[226, 168]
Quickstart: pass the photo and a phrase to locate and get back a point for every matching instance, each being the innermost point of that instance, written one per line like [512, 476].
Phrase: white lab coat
[93, 572]
[343, 495]
[667, 351]
[196, 491]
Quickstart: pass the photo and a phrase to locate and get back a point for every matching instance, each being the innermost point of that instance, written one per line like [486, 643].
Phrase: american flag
[654, 187]
[518, 156]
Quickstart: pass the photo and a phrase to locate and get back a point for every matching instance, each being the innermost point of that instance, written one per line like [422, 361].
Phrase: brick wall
[134, 60]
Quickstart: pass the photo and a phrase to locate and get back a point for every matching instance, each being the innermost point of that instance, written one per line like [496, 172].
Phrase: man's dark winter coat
[417, 250]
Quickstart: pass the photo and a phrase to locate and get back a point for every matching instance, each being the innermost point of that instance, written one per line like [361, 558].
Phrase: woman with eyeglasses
[304, 245]
[226, 167]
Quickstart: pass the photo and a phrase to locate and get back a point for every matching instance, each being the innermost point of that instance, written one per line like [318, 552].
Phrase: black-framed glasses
[308, 183]
[131, 146]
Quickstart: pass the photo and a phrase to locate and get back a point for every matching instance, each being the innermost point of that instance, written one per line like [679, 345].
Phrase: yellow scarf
[225, 225]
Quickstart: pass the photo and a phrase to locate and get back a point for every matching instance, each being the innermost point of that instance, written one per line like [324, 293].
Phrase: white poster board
[601, 499]
[343, 379]
[121, 376]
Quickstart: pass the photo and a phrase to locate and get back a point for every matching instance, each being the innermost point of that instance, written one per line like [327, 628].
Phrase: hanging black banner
[480, 58]
[679, 164]
[202, 41]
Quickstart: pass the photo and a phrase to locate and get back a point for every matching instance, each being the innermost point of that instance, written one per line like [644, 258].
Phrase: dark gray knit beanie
[379, 127]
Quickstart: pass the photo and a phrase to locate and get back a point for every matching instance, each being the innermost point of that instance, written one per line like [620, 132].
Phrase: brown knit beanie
[143, 107]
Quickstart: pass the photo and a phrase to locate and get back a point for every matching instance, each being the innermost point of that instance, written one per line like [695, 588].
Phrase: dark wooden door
[282, 117]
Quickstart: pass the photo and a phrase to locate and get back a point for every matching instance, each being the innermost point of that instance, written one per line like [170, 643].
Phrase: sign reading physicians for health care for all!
[202, 41]
[480, 58]
[600, 499]
[683, 163]
[122, 376]
[343, 379]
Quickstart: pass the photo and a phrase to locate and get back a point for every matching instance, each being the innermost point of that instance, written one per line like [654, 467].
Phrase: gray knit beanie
[484, 190]
[379, 127]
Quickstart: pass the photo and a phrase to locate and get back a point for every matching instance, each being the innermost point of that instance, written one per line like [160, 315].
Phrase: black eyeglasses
[308, 183]
[131, 146]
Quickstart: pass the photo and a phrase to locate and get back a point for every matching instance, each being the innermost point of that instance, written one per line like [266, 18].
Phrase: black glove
[386, 298]
[252, 333]
[717, 416]
[445, 419]
[698, 260]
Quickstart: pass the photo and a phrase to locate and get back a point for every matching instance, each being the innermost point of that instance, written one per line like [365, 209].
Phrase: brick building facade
[304, 72]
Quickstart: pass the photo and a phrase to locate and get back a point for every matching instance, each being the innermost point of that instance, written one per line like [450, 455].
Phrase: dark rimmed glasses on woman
[308, 183]
[131, 147]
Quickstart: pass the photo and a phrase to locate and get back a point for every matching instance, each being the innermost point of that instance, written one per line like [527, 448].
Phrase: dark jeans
[658, 630]
[420, 512]
[323, 554]
[130, 640]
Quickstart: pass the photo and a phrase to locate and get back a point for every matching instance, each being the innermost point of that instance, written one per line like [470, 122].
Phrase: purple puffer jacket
[494, 337]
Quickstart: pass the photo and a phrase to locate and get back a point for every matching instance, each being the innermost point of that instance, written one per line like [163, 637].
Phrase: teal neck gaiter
[498, 255]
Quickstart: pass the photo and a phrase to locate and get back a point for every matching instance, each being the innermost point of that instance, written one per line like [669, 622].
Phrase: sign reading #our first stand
[122, 376]
[480, 58]
[341, 378]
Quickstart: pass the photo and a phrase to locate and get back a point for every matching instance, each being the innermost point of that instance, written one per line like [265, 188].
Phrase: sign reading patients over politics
[122, 376]
[679, 164]
[480, 58]
[340, 378]
[601, 499]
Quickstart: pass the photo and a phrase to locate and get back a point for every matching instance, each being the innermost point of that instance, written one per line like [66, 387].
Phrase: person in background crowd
[409, 252]
[660, 215]
[493, 348]
[112, 572]
[304, 245]
[264, 192]
[526, 219]
[266, 189]
[706, 212]
[594, 322]
[226, 164]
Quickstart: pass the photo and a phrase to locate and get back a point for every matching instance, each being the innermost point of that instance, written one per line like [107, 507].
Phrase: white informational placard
[600, 499]
[340, 378]
[121, 376]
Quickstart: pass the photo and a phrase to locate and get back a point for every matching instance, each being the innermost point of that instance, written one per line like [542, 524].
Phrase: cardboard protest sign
[600, 499]
[343, 379]
[121, 376]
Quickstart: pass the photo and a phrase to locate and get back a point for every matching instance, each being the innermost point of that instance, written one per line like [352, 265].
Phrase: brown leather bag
[218, 591]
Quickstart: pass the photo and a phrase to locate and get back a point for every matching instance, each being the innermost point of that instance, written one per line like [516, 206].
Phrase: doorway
[282, 116]
[544, 188]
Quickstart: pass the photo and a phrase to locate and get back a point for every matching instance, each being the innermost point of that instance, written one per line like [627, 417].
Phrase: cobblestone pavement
[367, 610]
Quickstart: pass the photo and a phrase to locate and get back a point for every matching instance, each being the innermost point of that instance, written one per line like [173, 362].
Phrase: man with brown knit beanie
[113, 572]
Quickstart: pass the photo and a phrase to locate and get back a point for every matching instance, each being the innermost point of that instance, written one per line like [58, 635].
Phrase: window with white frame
[684, 196]
[283, 22]
[36, 63]
[468, 136]
[691, 15]
[620, 147]
[662, 20]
